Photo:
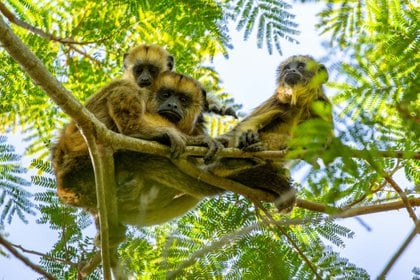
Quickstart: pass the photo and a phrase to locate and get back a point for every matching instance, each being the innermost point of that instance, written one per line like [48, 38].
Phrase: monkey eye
[287, 67]
[138, 69]
[154, 71]
[183, 99]
[301, 65]
[165, 93]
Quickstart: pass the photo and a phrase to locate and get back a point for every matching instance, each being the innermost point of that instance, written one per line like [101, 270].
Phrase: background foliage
[376, 107]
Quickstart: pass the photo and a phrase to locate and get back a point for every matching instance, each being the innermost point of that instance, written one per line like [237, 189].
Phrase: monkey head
[143, 64]
[179, 99]
[299, 78]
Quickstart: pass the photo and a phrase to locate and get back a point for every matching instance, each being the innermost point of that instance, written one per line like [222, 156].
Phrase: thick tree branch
[24, 259]
[87, 122]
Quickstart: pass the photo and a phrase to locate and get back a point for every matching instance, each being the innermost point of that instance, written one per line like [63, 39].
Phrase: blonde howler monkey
[270, 125]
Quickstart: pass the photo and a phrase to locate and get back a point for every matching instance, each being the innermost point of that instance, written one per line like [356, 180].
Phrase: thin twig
[12, 18]
[351, 212]
[373, 191]
[226, 240]
[399, 252]
[403, 196]
[272, 221]
[44, 255]
[24, 259]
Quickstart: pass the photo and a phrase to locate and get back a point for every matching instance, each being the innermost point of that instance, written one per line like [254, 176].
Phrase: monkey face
[145, 74]
[301, 70]
[178, 98]
[143, 64]
[293, 72]
[172, 104]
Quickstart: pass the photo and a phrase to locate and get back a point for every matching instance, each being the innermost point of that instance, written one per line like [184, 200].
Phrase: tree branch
[91, 128]
[12, 18]
[24, 259]
[404, 246]
[227, 240]
[403, 196]
[395, 186]
[103, 165]
[351, 212]
[43, 255]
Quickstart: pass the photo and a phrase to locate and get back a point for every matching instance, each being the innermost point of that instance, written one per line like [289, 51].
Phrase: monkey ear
[125, 60]
[323, 72]
[171, 62]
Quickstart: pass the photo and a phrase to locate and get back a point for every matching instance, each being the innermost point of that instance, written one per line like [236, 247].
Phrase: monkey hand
[213, 145]
[224, 111]
[249, 141]
[177, 142]
[224, 140]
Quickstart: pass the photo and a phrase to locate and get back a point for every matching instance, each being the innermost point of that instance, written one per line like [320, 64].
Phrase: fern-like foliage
[379, 96]
[271, 19]
[15, 199]
[223, 239]
[72, 246]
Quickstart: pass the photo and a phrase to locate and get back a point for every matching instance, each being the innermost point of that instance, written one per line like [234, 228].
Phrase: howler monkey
[144, 62]
[147, 185]
[269, 127]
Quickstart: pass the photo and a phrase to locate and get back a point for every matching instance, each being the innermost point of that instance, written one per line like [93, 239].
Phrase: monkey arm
[254, 123]
[127, 110]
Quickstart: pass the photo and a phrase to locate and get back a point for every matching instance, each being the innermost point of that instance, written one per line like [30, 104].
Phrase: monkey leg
[270, 178]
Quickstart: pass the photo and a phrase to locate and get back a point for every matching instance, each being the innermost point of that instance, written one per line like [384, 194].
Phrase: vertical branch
[103, 166]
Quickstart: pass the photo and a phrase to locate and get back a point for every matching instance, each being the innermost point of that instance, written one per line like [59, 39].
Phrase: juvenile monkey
[270, 125]
[143, 63]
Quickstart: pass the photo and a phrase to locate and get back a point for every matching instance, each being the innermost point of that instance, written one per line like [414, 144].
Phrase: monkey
[172, 114]
[270, 125]
[143, 63]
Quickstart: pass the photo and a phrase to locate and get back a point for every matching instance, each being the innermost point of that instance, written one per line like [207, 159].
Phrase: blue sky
[249, 75]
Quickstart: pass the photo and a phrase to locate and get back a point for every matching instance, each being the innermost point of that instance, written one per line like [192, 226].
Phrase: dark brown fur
[121, 106]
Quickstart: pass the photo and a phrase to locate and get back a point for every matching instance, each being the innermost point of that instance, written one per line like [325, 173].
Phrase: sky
[249, 76]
